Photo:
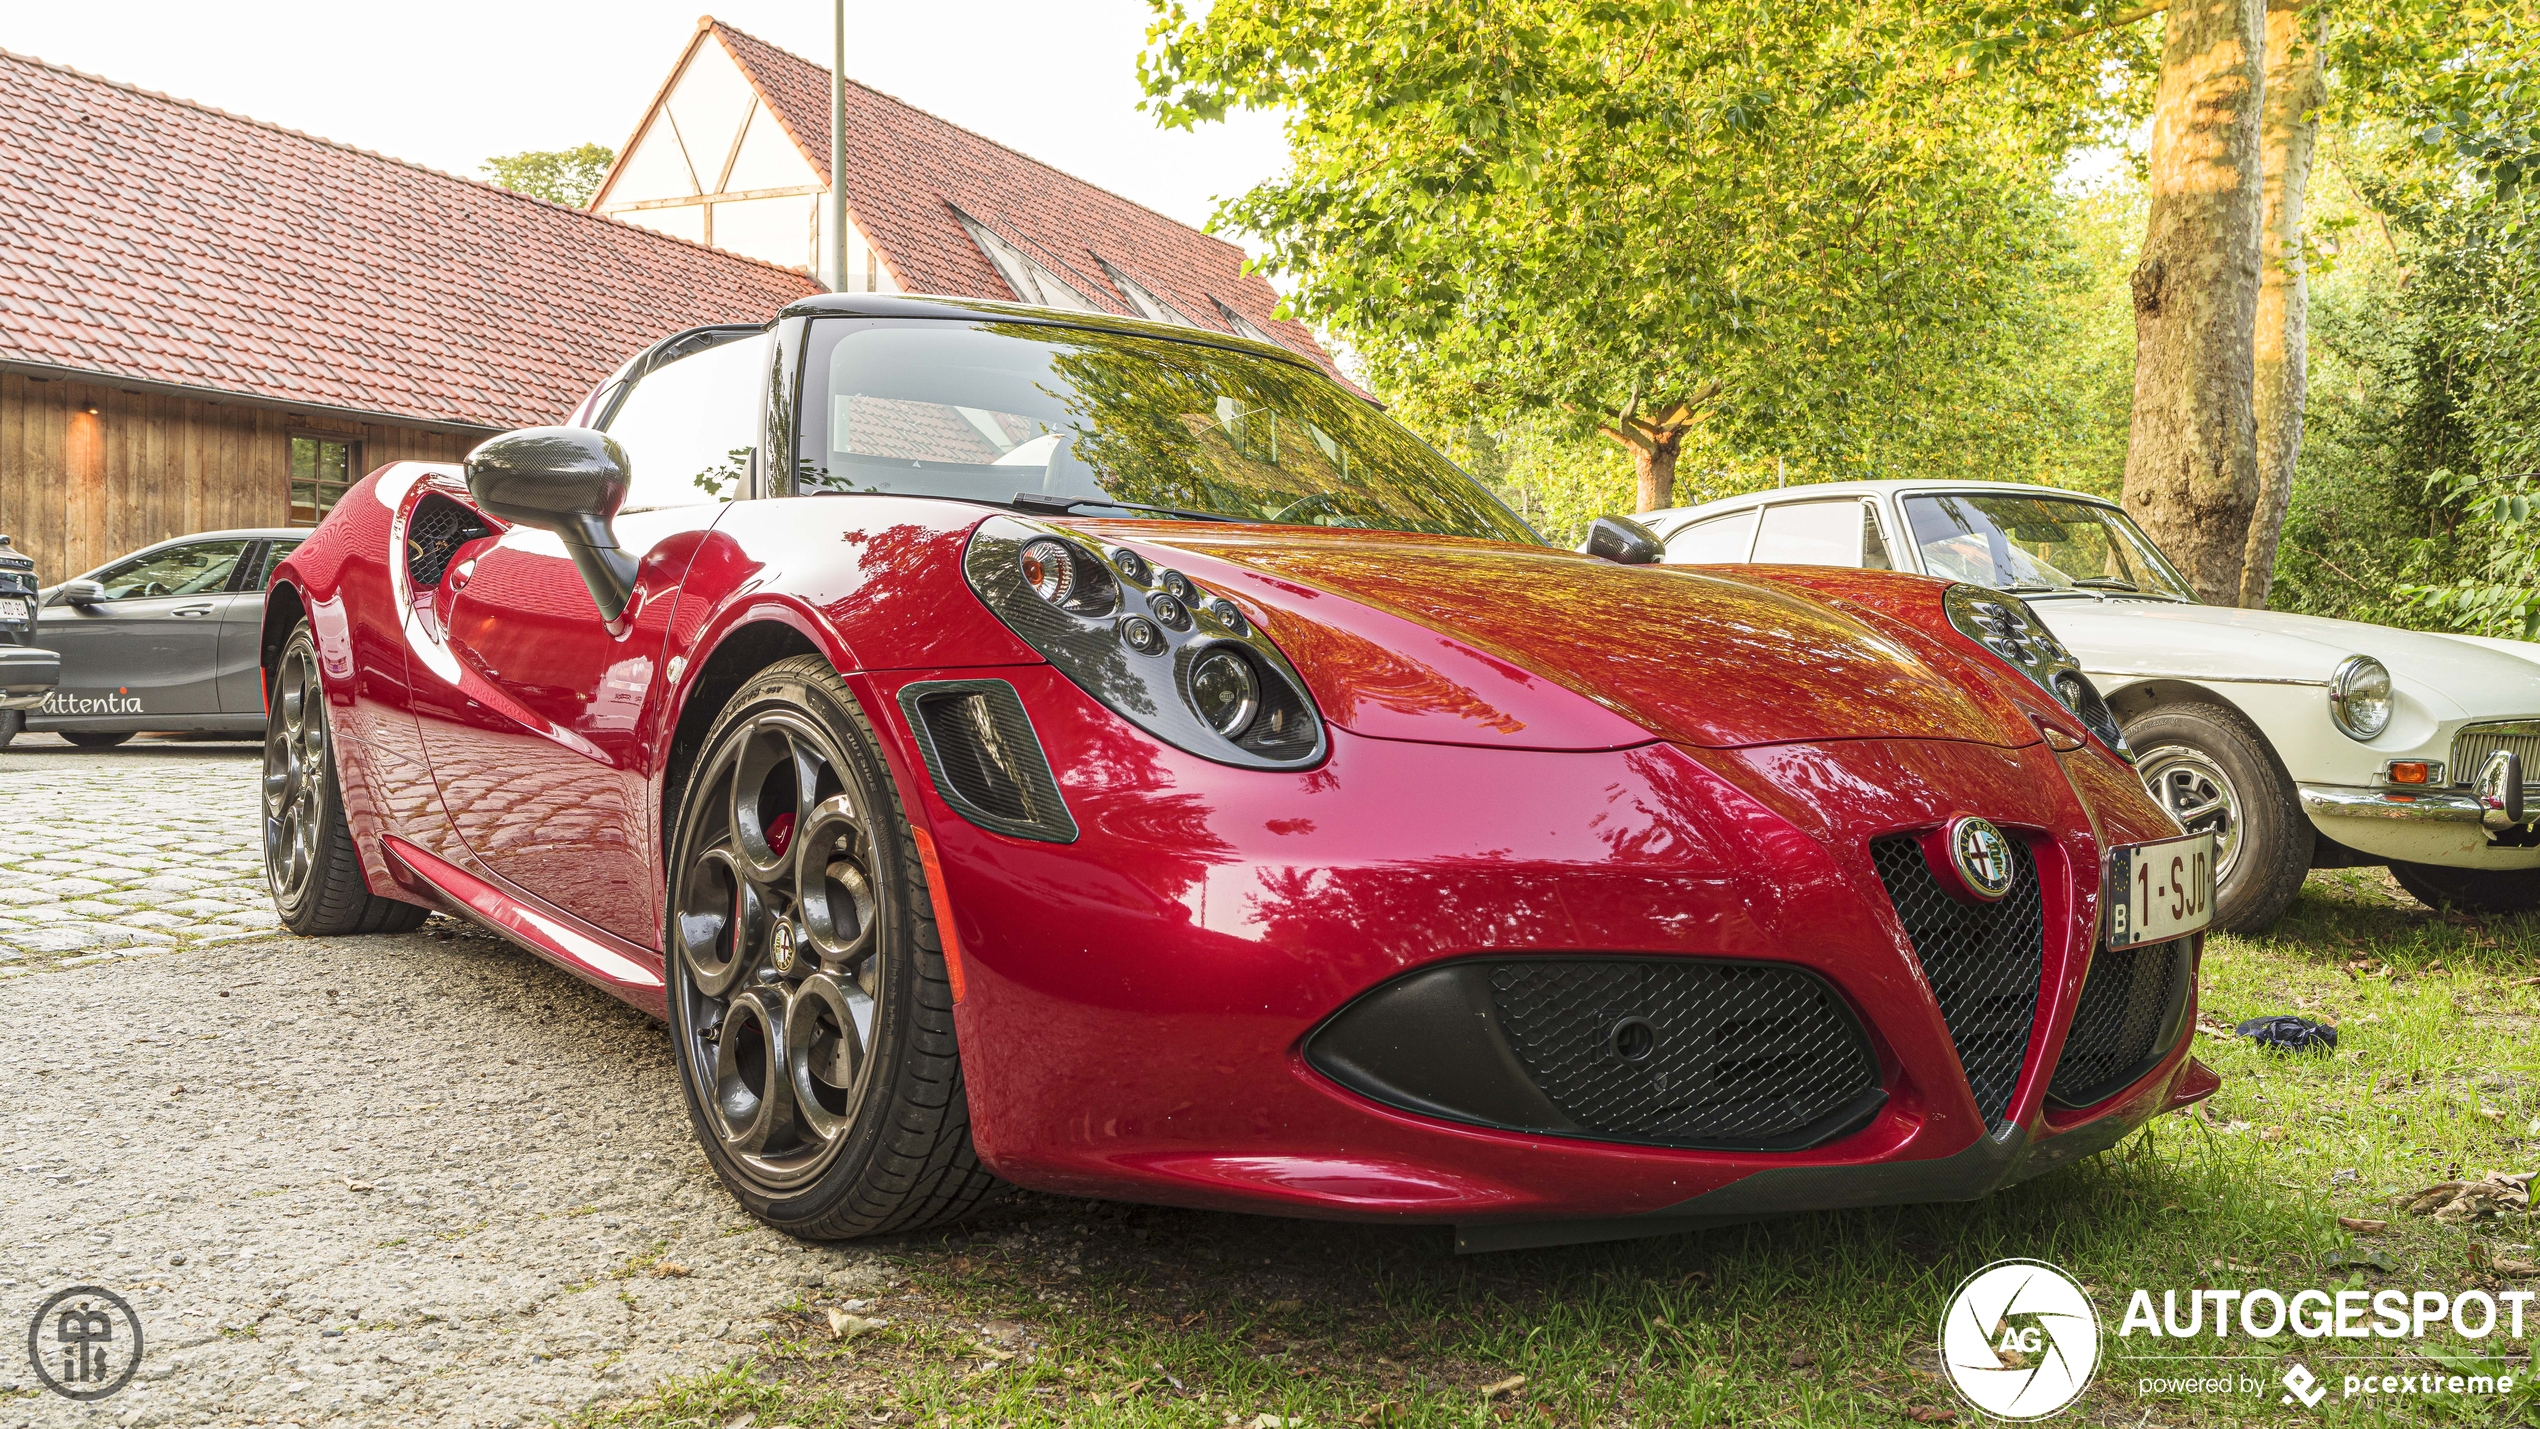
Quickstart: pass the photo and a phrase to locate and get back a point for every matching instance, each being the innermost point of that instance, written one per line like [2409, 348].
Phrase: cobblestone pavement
[392, 1180]
[149, 846]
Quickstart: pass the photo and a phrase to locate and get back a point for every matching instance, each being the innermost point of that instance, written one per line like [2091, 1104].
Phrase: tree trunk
[2286, 131]
[2191, 472]
[1655, 460]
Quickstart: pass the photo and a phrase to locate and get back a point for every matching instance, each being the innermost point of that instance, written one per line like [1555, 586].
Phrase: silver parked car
[164, 639]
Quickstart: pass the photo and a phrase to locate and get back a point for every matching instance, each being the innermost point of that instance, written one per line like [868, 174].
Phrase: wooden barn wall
[78, 488]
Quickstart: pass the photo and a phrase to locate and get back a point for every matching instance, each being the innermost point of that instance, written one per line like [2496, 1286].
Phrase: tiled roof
[908, 170]
[151, 238]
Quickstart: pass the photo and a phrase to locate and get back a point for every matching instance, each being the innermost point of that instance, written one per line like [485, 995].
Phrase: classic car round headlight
[2359, 697]
[1224, 690]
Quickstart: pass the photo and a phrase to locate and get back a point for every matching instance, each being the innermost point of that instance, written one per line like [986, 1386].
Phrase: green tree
[562, 176]
[1769, 227]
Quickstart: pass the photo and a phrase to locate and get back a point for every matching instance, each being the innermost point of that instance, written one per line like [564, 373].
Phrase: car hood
[2140, 639]
[1469, 642]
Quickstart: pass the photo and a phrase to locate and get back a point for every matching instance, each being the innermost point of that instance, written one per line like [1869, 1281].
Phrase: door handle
[191, 610]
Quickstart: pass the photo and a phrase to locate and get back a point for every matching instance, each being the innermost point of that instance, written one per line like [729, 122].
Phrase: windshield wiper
[2109, 583]
[2029, 588]
[1062, 505]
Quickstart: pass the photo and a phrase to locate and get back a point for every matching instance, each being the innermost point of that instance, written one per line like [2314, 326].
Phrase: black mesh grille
[434, 533]
[1685, 1052]
[2129, 1001]
[1984, 963]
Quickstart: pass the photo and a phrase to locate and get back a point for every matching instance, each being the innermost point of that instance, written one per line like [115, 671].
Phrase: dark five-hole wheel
[810, 1008]
[310, 865]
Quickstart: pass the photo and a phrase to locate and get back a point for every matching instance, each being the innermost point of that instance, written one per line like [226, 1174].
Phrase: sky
[448, 83]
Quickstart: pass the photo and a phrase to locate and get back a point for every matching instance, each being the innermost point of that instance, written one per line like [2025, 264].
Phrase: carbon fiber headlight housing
[1148, 643]
[2011, 633]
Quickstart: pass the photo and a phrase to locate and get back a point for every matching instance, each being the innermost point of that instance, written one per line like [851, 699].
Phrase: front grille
[2476, 743]
[434, 533]
[1984, 963]
[1683, 1052]
[2129, 1016]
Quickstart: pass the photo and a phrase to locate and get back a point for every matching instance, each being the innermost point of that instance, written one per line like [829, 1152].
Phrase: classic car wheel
[2212, 770]
[95, 741]
[11, 721]
[309, 860]
[810, 1010]
[2471, 890]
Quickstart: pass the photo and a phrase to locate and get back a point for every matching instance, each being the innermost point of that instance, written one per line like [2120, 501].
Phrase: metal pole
[836, 276]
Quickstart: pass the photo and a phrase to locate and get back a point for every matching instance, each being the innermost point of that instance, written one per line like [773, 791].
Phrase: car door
[240, 676]
[152, 646]
[530, 706]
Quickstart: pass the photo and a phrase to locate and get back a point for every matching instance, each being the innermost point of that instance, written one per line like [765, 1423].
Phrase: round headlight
[1049, 568]
[1224, 691]
[2359, 697]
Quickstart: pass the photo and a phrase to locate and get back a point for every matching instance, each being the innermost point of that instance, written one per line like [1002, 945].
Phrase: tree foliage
[1782, 225]
[562, 176]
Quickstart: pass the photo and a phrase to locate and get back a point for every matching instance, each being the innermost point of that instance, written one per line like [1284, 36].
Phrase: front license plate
[2160, 890]
[14, 608]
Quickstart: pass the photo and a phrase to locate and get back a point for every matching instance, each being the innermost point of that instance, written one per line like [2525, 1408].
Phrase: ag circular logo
[1983, 857]
[85, 1343]
[2019, 1340]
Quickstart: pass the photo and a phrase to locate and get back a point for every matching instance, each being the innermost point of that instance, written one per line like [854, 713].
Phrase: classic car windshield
[2037, 544]
[988, 411]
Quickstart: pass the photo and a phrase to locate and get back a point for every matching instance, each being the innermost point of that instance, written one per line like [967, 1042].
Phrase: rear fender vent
[984, 758]
[435, 530]
[1984, 963]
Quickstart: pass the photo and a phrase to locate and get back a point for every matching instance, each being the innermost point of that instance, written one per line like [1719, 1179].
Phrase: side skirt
[602, 959]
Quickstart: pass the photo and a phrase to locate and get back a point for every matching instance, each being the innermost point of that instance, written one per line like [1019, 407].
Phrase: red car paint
[1530, 752]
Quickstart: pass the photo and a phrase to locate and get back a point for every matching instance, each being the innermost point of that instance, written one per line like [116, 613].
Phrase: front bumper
[27, 675]
[2444, 827]
[1139, 1001]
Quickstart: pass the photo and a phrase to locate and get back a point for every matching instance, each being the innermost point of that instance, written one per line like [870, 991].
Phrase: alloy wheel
[2193, 787]
[295, 769]
[776, 925]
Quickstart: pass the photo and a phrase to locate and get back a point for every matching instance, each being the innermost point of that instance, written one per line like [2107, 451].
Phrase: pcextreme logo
[2019, 1340]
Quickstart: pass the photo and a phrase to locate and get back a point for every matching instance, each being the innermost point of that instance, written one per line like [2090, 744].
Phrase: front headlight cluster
[2359, 697]
[2004, 625]
[1179, 662]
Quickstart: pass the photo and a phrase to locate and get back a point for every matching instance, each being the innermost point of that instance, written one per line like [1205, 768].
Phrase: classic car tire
[95, 741]
[2192, 744]
[2471, 890]
[819, 1133]
[11, 721]
[317, 884]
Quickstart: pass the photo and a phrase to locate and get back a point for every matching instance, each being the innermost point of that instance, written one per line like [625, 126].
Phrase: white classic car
[2300, 742]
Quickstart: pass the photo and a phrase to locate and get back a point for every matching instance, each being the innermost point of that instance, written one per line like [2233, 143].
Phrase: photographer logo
[2019, 1340]
[84, 1343]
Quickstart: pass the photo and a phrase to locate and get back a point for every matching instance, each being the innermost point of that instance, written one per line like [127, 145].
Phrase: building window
[321, 469]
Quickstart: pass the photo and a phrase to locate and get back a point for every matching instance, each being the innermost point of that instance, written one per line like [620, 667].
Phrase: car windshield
[2035, 545]
[994, 411]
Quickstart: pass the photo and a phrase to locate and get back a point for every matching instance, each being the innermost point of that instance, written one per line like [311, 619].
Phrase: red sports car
[1116, 759]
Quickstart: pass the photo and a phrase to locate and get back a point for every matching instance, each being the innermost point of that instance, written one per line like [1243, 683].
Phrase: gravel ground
[392, 1180]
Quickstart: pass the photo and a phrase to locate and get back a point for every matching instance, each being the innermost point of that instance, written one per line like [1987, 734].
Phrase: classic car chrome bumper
[2339, 801]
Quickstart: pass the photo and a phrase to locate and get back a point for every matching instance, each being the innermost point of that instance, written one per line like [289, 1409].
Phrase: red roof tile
[908, 170]
[151, 238]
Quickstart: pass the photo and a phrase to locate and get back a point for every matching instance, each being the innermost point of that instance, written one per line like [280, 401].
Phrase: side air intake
[984, 758]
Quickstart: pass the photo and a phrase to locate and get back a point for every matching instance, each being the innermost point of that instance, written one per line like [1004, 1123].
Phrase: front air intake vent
[984, 758]
[435, 530]
[1673, 1051]
[1984, 963]
[2133, 1009]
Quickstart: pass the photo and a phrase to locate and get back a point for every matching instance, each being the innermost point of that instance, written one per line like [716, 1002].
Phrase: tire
[2471, 890]
[2211, 769]
[95, 741]
[310, 865]
[11, 723]
[771, 962]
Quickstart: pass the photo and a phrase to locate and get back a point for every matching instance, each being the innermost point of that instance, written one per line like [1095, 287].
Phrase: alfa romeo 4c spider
[1015, 746]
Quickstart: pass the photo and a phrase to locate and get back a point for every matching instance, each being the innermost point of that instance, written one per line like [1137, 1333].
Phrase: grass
[1058, 1312]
